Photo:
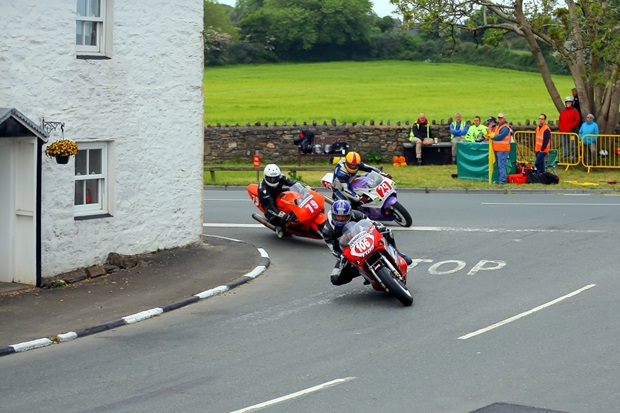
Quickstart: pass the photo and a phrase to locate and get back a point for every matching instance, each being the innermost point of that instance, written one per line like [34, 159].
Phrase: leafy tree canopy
[288, 26]
[216, 17]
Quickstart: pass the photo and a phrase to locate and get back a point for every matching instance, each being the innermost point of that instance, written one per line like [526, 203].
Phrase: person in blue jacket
[587, 134]
[458, 130]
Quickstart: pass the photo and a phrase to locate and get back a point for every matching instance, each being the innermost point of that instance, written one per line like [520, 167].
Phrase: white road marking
[294, 395]
[233, 225]
[547, 204]
[228, 199]
[518, 316]
[431, 229]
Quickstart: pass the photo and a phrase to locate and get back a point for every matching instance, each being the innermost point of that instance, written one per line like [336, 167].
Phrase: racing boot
[405, 257]
[281, 231]
[337, 278]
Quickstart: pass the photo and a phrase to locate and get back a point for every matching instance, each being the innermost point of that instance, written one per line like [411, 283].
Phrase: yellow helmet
[352, 162]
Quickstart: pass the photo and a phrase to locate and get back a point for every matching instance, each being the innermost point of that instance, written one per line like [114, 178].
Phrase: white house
[125, 79]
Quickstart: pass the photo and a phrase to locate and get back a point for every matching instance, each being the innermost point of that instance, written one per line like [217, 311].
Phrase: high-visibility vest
[428, 131]
[540, 134]
[461, 127]
[504, 144]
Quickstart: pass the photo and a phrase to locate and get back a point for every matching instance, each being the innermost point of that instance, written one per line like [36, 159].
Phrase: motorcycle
[305, 209]
[377, 194]
[365, 248]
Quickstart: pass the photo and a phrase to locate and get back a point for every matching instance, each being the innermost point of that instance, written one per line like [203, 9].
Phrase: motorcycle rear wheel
[395, 287]
[401, 215]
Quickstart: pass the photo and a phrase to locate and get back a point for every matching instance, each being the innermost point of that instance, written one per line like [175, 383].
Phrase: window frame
[103, 178]
[104, 31]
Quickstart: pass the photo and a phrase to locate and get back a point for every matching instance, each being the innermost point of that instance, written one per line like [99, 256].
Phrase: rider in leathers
[340, 214]
[269, 189]
[345, 172]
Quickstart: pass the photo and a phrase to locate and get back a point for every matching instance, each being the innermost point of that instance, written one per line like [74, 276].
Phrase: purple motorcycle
[378, 196]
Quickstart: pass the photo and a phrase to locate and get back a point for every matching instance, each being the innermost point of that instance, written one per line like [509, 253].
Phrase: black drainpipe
[38, 214]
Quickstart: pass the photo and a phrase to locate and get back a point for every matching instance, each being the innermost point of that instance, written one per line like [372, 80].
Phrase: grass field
[380, 90]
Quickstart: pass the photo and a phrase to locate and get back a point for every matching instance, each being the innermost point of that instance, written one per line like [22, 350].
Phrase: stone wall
[275, 142]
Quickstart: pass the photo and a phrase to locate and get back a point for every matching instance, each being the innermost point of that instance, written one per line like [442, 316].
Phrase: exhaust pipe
[263, 221]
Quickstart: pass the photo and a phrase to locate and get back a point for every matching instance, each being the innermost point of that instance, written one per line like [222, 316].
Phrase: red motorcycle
[305, 209]
[366, 249]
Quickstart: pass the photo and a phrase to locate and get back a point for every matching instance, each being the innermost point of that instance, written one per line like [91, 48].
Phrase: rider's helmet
[352, 162]
[569, 99]
[271, 174]
[341, 213]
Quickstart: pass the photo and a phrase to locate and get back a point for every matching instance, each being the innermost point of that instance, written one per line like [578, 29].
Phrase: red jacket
[569, 120]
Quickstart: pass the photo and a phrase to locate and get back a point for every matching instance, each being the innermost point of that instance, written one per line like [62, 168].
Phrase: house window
[93, 28]
[91, 179]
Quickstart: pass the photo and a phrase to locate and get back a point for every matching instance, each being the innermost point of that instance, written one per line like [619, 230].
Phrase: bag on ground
[547, 178]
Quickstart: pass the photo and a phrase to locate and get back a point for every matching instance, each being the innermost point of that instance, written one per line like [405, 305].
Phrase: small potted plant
[61, 150]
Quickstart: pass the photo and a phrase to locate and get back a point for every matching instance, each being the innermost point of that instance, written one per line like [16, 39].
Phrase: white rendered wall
[147, 99]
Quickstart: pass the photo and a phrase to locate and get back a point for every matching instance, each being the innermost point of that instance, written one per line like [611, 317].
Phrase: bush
[374, 157]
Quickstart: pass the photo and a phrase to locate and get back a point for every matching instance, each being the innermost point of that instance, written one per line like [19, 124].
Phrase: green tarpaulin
[473, 161]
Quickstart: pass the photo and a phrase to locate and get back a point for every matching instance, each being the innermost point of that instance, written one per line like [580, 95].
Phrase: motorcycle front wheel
[401, 215]
[395, 287]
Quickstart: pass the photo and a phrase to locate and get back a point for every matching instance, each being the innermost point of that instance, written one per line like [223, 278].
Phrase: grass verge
[432, 176]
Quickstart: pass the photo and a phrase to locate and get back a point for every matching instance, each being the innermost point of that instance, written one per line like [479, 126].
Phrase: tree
[307, 28]
[216, 17]
[219, 33]
[585, 34]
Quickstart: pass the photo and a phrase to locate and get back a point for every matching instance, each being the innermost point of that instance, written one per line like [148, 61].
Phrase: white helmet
[271, 174]
[569, 99]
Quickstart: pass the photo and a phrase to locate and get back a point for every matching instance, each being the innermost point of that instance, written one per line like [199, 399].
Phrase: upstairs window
[93, 28]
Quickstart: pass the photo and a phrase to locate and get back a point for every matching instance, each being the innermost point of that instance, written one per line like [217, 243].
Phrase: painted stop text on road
[447, 267]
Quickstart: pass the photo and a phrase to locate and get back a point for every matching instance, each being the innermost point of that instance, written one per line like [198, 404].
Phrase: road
[515, 299]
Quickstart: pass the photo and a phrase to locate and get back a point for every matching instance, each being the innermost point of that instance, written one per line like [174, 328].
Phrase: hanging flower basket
[61, 150]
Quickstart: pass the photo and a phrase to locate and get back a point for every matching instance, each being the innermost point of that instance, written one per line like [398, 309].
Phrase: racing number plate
[384, 189]
[363, 246]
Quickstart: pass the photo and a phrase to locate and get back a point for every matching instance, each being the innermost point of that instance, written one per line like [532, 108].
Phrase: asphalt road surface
[515, 306]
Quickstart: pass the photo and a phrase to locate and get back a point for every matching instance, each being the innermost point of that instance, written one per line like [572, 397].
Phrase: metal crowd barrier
[571, 151]
[604, 153]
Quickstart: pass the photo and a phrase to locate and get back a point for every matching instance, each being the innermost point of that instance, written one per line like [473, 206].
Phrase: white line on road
[246, 199]
[547, 204]
[233, 225]
[518, 316]
[294, 395]
[432, 229]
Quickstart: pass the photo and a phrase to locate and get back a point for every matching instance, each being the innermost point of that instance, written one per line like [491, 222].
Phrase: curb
[142, 315]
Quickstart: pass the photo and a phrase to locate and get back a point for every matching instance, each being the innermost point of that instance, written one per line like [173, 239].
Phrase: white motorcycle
[378, 196]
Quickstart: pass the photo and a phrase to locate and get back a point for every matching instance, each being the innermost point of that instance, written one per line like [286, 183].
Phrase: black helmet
[492, 119]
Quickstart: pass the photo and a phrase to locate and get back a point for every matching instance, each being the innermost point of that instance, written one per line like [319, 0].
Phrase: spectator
[420, 135]
[305, 141]
[577, 104]
[568, 123]
[458, 130]
[476, 132]
[501, 146]
[587, 134]
[492, 128]
[543, 142]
